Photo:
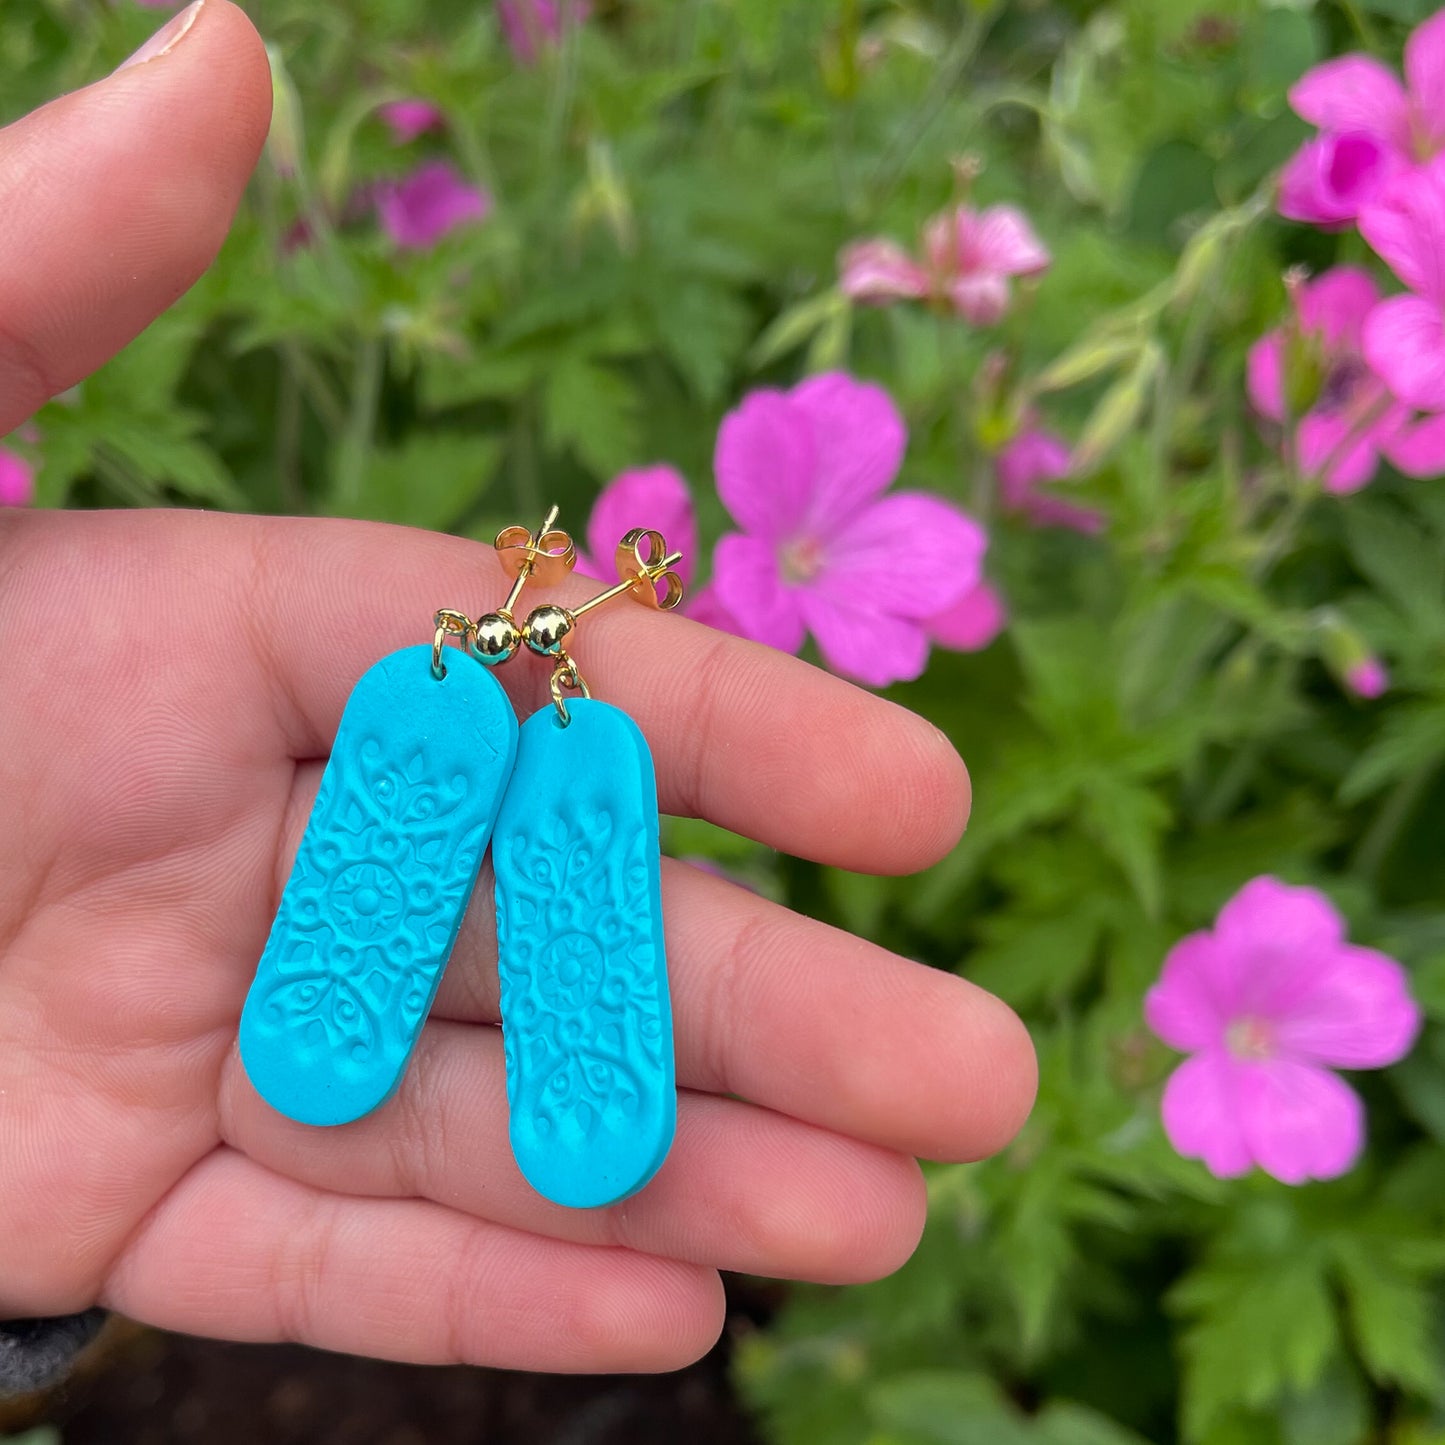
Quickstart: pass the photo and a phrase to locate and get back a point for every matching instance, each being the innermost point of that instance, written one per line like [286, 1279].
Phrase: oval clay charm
[586, 1017]
[379, 887]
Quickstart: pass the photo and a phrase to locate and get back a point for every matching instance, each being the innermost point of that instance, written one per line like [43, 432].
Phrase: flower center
[1250, 1038]
[1345, 377]
[802, 560]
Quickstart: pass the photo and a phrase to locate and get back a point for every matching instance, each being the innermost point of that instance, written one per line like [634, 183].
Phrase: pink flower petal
[704, 606]
[1404, 344]
[868, 646]
[17, 480]
[1336, 304]
[860, 438]
[1265, 375]
[972, 623]
[1331, 177]
[1329, 441]
[407, 119]
[1354, 1012]
[880, 271]
[1033, 456]
[1201, 1114]
[1299, 1122]
[1353, 93]
[532, 26]
[417, 211]
[748, 587]
[980, 297]
[1002, 240]
[1419, 450]
[766, 462]
[1197, 995]
[943, 545]
[654, 497]
[1279, 918]
[1367, 678]
[1406, 225]
[1425, 73]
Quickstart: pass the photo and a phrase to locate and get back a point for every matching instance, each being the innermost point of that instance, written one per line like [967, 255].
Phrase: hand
[171, 683]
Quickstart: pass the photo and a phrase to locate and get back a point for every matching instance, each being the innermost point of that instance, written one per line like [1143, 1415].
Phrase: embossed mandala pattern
[580, 976]
[383, 872]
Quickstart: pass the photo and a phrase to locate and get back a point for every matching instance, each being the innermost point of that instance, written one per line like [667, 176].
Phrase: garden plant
[1076, 373]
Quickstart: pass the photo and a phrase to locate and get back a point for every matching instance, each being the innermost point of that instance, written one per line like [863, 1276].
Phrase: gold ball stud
[497, 639]
[547, 628]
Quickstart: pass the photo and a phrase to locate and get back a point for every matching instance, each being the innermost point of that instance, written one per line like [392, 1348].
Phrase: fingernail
[166, 38]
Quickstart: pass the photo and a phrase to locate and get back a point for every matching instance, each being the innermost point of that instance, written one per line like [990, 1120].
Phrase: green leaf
[432, 481]
[1260, 1327]
[1391, 1318]
[591, 410]
[1129, 820]
[1069, 1424]
[1412, 738]
[938, 1407]
[1401, 559]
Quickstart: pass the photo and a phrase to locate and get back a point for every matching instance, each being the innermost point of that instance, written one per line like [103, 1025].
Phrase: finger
[114, 199]
[810, 1021]
[801, 1018]
[751, 738]
[743, 1189]
[239, 1253]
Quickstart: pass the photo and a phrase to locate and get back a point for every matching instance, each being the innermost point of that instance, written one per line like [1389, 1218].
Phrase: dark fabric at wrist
[36, 1353]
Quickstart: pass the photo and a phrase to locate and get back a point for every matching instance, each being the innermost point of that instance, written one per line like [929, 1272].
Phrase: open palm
[169, 686]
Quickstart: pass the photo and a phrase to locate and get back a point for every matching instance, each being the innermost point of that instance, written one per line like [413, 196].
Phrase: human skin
[171, 684]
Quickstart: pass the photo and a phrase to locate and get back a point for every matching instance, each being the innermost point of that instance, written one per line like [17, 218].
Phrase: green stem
[355, 445]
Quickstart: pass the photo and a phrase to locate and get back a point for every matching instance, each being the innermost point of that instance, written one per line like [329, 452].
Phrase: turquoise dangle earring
[387, 864]
[586, 1016]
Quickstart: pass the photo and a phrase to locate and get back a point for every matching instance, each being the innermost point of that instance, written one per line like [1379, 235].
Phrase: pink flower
[1331, 177]
[17, 480]
[1354, 418]
[1038, 456]
[1404, 339]
[419, 210]
[969, 257]
[1372, 127]
[407, 119]
[532, 26]
[656, 497]
[1267, 1005]
[820, 549]
[1367, 678]
[973, 622]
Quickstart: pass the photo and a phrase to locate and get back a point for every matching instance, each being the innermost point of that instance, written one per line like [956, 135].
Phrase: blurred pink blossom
[17, 480]
[656, 497]
[417, 211]
[973, 622]
[1037, 456]
[820, 549]
[1372, 127]
[1267, 1004]
[1368, 678]
[532, 26]
[1404, 339]
[968, 259]
[1331, 177]
[407, 119]
[1355, 419]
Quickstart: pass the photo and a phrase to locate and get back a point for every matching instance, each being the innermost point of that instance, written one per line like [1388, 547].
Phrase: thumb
[114, 199]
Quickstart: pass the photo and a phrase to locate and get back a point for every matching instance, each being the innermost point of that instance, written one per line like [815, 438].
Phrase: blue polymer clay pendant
[379, 887]
[586, 1018]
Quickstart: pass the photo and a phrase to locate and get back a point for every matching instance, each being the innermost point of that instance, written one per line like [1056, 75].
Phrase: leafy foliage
[1159, 723]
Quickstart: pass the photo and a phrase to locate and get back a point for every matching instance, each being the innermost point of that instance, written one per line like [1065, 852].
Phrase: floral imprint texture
[379, 887]
[585, 1011]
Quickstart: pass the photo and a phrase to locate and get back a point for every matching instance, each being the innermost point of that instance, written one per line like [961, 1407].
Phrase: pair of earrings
[429, 765]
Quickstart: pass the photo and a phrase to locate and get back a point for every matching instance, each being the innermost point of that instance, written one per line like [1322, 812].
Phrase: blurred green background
[1162, 719]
